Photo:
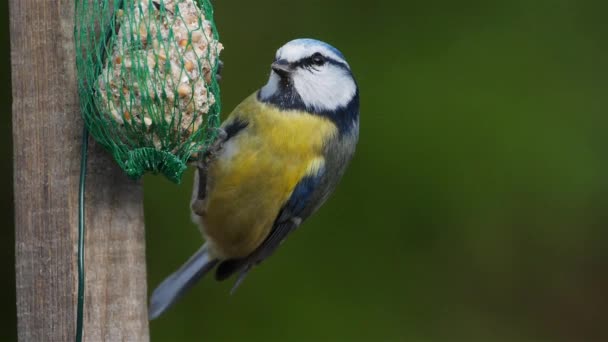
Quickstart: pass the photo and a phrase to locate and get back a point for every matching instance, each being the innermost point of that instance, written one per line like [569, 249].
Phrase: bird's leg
[214, 148]
[207, 158]
[211, 153]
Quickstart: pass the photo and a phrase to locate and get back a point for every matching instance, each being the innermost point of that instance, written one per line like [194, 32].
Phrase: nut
[196, 36]
[189, 65]
[183, 90]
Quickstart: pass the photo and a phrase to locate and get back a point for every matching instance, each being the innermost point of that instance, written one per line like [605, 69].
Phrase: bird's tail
[178, 283]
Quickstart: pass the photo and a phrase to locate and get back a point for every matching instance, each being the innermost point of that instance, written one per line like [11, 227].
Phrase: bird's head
[312, 76]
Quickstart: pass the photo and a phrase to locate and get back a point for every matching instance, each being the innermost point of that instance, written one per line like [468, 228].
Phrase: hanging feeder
[147, 80]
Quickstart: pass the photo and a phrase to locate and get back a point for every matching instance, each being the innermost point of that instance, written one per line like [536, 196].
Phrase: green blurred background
[476, 208]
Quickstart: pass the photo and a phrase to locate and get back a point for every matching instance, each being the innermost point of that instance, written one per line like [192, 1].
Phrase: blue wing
[289, 218]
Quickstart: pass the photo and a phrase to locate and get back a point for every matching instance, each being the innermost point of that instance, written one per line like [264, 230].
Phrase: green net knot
[149, 159]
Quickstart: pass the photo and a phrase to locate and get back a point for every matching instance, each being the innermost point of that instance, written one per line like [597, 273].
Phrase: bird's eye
[318, 59]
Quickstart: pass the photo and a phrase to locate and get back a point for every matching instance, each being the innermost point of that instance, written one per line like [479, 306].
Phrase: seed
[151, 62]
[196, 36]
[127, 115]
[118, 60]
[143, 33]
[169, 96]
[207, 75]
[183, 42]
[189, 65]
[183, 90]
[191, 19]
[116, 116]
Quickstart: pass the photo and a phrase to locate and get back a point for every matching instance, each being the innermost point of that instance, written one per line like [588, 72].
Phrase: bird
[278, 157]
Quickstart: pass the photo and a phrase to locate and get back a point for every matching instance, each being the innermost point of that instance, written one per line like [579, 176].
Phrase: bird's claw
[211, 152]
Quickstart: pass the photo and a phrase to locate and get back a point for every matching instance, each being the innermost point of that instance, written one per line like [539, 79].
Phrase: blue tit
[283, 151]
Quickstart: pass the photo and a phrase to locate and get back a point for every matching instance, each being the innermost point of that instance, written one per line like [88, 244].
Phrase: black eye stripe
[337, 63]
[308, 63]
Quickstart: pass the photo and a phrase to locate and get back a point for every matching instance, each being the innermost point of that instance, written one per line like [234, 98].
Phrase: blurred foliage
[477, 205]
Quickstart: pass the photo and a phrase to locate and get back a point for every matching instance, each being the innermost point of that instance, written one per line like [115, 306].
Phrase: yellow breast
[256, 172]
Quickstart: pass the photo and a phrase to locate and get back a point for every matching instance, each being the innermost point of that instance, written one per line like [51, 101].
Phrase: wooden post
[47, 129]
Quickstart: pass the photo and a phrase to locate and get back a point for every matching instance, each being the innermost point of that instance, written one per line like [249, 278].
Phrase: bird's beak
[281, 67]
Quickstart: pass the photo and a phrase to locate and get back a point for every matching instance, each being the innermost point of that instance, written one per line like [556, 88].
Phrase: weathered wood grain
[46, 134]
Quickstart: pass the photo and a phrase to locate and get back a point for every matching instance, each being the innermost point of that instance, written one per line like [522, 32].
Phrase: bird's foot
[204, 162]
[213, 150]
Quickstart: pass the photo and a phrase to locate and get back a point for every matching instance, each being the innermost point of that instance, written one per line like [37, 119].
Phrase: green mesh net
[147, 80]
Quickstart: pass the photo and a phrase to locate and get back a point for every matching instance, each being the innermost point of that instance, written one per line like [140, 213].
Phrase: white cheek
[271, 87]
[327, 89]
